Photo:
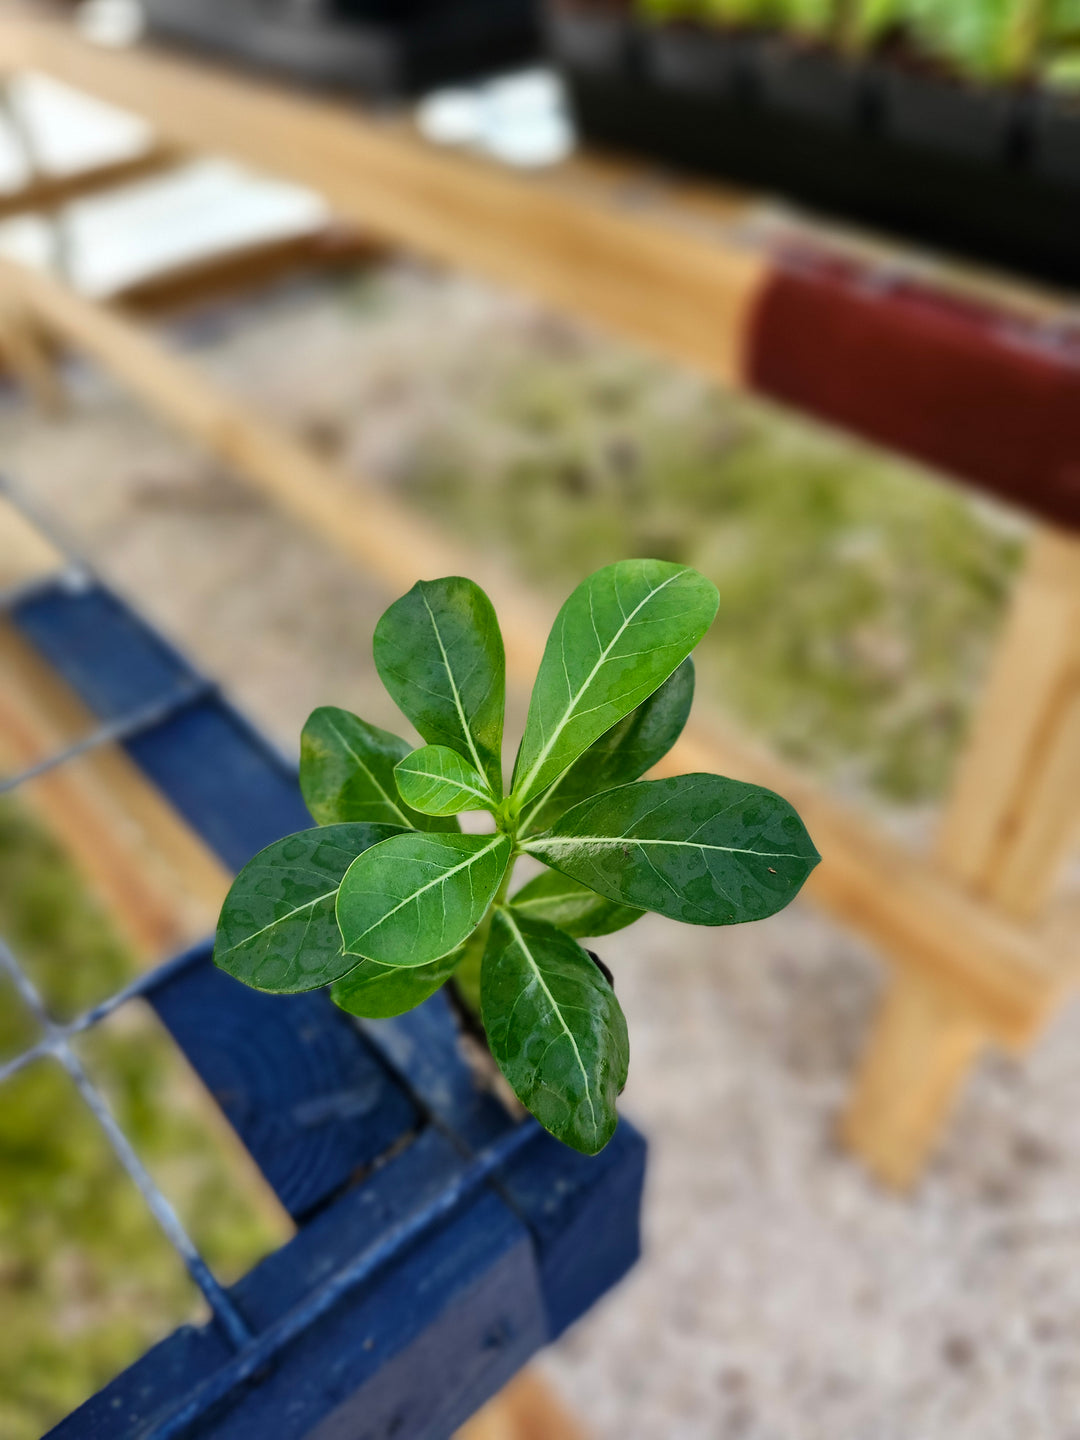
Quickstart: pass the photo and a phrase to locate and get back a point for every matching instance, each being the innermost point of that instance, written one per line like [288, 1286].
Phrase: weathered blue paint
[310, 1104]
[441, 1242]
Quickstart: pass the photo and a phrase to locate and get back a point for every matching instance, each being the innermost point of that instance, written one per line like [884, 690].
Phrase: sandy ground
[782, 1296]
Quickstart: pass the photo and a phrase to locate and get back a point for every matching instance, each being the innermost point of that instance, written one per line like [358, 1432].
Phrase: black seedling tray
[381, 48]
[989, 174]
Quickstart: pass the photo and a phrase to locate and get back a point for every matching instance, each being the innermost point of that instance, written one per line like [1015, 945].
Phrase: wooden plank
[236, 272]
[1012, 818]
[1046, 824]
[25, 554]
[586, 246]
[28, 358]
[706, 276]
[897, 898]
[46, 193]
[919, 1054]
[1008, 829]
[527, 1409]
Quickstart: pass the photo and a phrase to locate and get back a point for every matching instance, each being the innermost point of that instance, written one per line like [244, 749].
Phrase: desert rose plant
[386, 899]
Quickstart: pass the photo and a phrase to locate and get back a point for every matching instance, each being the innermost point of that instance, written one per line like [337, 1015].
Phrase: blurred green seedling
[387, 899]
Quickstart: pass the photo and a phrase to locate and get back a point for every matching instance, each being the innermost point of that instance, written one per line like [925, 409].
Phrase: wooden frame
[148, 864]
[965, 927]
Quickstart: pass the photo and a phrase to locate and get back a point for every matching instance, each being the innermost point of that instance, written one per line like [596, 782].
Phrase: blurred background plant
[977, 40]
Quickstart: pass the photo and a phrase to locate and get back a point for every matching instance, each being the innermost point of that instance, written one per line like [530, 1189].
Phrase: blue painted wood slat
[440, 1242]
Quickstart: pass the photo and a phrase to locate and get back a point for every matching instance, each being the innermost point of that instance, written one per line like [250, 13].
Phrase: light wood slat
[51, 192]
[25, 554]
[527, 1409]
[1012, 819]
[28, 358]
[919, 1054]
[570, 239]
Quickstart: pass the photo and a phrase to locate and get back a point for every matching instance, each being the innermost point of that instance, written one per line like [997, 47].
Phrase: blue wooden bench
[440, 1242]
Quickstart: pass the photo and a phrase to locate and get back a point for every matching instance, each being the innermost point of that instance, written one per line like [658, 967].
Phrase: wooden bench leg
[920, 1052]
[526, 1410]
[1012, 819]
[26, 353]
[1007, 832]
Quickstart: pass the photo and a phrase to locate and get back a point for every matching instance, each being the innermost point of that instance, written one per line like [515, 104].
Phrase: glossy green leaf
[437, 781]
[555, 1029]
[415, 898]
[379, 992]
[347, 773]
[470, 964]
[277, 929]
[697, 848]
[439, 652]
[571, 906]
[622, 754]
[615, 641]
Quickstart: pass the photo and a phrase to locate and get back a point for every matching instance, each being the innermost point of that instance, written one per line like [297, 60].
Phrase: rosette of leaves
[386, 899]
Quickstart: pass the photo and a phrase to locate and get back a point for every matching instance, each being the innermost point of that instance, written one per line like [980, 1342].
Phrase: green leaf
[697, 848]
[555, 1029]
[440, 654]
[379, 992]
[347, 773]
[415, 898]
[616, 640]
[622, 754]
[470, 965]
[437, 781]
[277, 929]
[571, 906]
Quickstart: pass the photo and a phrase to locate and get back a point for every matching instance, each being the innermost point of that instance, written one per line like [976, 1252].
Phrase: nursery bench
[970, 376]
[439, 1241]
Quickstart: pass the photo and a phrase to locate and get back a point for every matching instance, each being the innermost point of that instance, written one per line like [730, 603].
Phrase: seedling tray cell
[963, 170]
[372, 48]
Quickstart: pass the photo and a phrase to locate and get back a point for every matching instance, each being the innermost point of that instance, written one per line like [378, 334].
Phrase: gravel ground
[782, 1296]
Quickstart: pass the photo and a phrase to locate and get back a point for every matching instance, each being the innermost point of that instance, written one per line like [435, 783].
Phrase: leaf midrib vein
[557, 840]
[523, 947]
[371, 775]
[466, 728]
[548, 745]
[439, 880]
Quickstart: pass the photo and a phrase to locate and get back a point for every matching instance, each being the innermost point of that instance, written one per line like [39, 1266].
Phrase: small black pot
[1056, 149]
[701, 60]
[400, 50]
[812, 82]
[594, 42]
[973, 122]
